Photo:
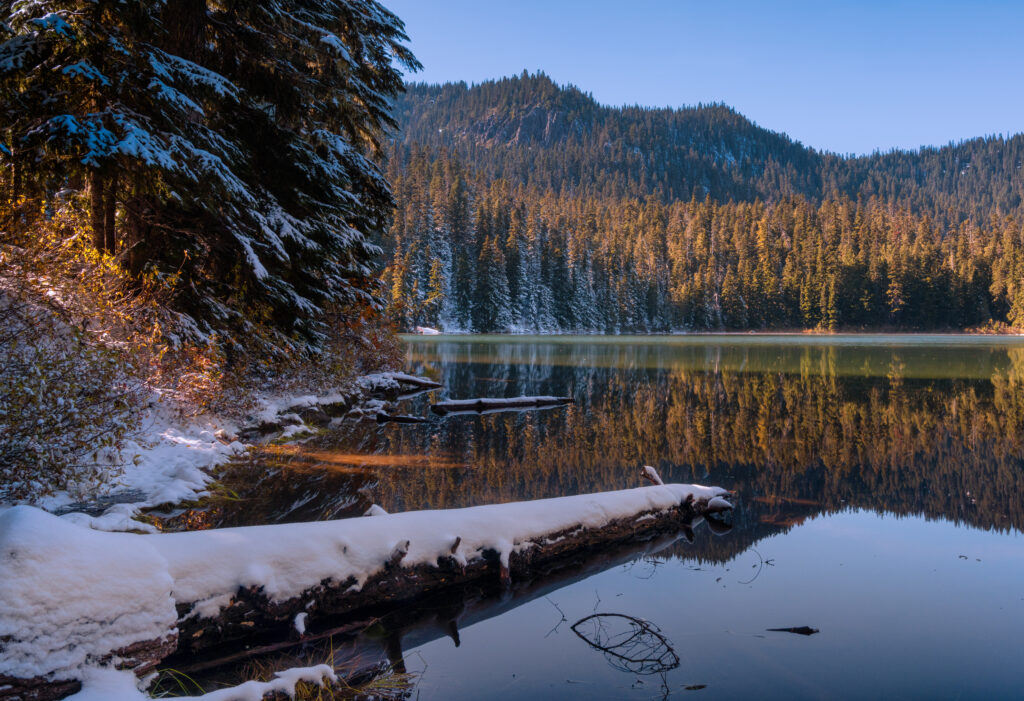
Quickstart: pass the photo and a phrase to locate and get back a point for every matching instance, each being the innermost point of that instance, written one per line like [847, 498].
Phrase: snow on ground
[168, 462]
[170, 459]
[105, 684]
[71, 596]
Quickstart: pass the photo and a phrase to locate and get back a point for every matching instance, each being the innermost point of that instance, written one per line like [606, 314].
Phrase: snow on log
[73, 597]
[389, 379]
[651, 475]
[394, 385]
[487, 405]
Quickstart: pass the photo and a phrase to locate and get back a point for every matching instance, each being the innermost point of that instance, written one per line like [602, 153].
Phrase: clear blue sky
[849, 77]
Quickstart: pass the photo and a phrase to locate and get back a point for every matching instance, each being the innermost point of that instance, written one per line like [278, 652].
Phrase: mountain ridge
[686, 152]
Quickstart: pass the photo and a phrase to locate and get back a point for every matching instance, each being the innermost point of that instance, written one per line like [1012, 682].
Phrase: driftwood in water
[799, 630]
[629, 644]
[399, 385]
[415, 381]
[487, 405]
[383, 417]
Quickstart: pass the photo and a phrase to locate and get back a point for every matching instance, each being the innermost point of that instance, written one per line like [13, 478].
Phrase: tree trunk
[109, 216]
[136, 228]
[96, 202]
[251, 612]
[185, 22]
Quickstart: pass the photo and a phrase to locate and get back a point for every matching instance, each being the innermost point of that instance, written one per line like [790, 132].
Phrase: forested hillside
[523, 205]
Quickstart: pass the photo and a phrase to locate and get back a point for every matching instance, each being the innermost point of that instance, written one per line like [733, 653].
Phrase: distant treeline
[522, 205]
[475, 254]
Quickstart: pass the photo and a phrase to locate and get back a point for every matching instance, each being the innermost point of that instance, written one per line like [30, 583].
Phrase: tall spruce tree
[235, 138]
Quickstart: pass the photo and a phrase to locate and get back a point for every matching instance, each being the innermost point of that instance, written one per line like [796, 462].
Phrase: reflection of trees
[840, 427]
[796, 430]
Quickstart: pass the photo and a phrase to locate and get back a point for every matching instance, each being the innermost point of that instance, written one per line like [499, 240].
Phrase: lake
[879, 486]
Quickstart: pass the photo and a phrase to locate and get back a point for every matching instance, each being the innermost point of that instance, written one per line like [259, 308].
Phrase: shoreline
[738, 337]
[170, 460]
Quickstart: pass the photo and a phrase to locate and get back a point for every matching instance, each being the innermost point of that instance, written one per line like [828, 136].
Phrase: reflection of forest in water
[796, 430]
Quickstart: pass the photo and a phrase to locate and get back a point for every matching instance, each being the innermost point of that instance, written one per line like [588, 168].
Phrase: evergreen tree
[234, 140]
[491, 297]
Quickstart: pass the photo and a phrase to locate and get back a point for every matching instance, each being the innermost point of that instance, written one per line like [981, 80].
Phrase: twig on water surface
[799, 630]
[640, 648]
[760, 565]
[561, 613]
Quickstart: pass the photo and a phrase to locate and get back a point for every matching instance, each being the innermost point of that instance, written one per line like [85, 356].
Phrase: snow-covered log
[384, 417]
[488, 404]
[395, 385]
[71, 597]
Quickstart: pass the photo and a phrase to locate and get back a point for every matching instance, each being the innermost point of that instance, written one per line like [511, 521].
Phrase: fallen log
[395, 385]
[403, 379]
[487, 405]
[383, 417]
[233, 584]
[430, 617]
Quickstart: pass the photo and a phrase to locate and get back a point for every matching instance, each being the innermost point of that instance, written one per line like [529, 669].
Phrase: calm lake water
[880, 500]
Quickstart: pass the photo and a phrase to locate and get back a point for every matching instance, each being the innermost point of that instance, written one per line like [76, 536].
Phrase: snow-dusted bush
[75, 342]
[84, 345]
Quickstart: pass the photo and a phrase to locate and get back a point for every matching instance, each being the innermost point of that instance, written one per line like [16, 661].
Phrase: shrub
[85, 346]
[68, 393]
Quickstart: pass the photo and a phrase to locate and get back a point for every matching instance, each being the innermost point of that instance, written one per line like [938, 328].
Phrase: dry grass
[359, 683]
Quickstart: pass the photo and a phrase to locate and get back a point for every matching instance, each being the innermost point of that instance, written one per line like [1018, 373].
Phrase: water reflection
[923, 429]
[922, 603]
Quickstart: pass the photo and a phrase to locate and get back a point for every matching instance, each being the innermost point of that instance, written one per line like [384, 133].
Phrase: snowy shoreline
[169, 461]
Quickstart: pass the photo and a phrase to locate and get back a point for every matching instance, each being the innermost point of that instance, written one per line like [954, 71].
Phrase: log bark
[431, 617]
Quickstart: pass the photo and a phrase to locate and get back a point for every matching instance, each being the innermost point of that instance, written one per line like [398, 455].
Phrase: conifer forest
[526, 206]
